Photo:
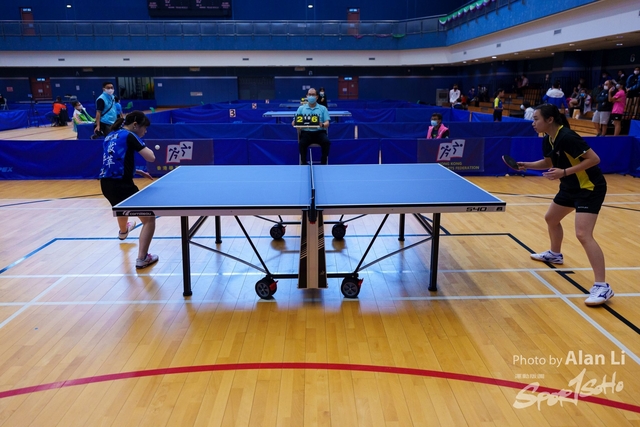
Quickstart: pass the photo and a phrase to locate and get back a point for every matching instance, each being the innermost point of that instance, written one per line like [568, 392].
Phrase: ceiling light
[537, 50]
[494, 57]
[618, 44]
[572, 44]
[68, 6]
[464, 62]
[578, 50]
[310, 6]
[516, 53]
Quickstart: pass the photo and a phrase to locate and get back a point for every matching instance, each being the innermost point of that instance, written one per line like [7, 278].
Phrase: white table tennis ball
[157, 147]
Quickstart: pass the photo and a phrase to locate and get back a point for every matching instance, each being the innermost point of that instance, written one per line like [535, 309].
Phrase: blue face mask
[312, 99]
[434, 123]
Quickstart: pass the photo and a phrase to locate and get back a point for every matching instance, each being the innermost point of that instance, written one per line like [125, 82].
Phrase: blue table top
[348, 189]
[291, 113]
[297, 104]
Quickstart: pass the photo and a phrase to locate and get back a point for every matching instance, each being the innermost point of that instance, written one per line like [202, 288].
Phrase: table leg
[218, 231]
[186, 258]
[435, 246]
[401, 228]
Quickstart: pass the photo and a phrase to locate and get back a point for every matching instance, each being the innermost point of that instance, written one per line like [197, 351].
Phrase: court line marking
[254, 273]
[591, 321]
[315, 366]
[325, 297]
[31, 303]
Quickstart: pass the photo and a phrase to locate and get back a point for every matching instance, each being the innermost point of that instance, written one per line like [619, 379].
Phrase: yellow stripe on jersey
[583, 177]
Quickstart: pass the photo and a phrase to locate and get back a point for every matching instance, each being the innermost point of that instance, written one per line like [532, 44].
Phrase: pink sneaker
[130, 227]
[147, 261]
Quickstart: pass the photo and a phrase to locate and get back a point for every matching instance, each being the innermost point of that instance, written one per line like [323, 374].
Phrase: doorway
[28, 27]
[40, 88]
[347, 87]
[353, 20]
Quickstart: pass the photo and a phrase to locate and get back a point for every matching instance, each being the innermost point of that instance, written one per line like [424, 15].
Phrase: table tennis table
[279, 115]
[297, 104]
[312, 191]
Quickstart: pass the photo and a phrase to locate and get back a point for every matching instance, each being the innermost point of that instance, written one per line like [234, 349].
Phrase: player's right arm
[144, 151]
[538, 164]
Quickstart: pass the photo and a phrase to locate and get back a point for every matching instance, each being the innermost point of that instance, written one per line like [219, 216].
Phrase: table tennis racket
[511, 162]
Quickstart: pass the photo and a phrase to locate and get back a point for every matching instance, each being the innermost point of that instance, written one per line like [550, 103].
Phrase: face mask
[522, 107]
[582, 95]
[321, 93]
[312, 99]
[434, 123]
[636, 72]
[606, 87]
[79, 108]
[617, 86]
[109, 91]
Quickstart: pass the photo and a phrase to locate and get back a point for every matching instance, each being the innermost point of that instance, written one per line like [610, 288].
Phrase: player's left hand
[553, 173]
[145, 174]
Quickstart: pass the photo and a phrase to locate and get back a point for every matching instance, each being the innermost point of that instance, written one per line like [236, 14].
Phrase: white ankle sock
[601, 284]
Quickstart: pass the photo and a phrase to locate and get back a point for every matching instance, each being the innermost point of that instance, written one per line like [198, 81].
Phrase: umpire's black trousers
[308, 138]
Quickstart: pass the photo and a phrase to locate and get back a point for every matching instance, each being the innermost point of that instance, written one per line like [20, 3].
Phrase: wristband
[565, 172]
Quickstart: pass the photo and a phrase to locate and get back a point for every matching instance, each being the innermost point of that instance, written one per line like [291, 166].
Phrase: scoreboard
[189, 8]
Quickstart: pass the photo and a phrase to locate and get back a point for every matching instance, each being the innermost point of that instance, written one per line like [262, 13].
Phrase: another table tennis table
[279, 115]
[313, 191]
[297, 104]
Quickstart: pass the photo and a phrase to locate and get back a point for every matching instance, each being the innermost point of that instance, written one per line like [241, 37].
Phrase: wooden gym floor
[89, 341]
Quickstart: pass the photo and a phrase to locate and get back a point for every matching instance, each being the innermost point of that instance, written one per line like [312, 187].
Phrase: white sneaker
[130, 227]
[599, 294]
[547, 256]
[147, 261]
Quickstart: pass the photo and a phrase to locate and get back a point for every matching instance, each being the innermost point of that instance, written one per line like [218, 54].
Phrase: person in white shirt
[454, 94]
[528, 111]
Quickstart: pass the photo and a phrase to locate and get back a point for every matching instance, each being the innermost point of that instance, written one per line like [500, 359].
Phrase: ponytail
[117, 125]
[137, 117]
[550, 110]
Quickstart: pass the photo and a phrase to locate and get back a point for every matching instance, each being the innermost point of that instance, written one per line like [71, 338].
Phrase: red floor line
[317, 366]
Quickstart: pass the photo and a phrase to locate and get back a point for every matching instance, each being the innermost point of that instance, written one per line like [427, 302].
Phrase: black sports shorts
[116, 190]
[582, 200]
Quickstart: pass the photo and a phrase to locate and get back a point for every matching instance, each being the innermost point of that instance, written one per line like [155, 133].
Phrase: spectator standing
[106, 113]
[322, 99]
[118, 107]
[4, 105]
[454, 94]
[437, 130]
[633, 83]
[618, 97]
[603, 110]
[605, 76]
[555, 96]
[497, 105]
[621, 77]
[528, 110]
[472, 96]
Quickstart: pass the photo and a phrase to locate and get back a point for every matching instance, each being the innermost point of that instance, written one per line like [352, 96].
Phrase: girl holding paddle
[569, 159]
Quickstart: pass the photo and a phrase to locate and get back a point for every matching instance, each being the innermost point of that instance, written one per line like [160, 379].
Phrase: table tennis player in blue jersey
[310, 136]
[116, 176]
